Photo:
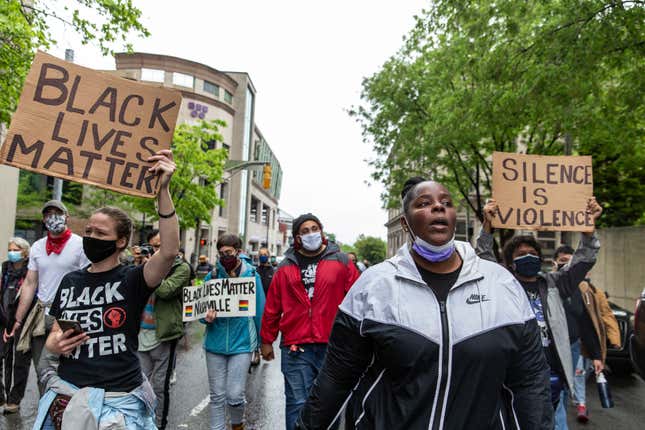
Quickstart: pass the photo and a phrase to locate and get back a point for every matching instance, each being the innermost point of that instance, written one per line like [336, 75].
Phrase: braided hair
[406, 195]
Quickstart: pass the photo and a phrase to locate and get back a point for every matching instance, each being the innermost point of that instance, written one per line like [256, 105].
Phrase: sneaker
[11, 408]
[583, 417]
[173, 377]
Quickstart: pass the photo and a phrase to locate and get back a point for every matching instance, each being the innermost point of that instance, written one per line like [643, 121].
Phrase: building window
[183, 80]
[254, 210]
[228, 97]
[152, 75]
[211, 88]
[265, 215]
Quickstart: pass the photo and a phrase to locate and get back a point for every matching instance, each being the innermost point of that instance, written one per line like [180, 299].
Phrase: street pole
[58, 183]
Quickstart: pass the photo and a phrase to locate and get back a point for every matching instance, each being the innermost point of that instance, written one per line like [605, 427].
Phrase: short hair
[152, 234]
[264, 248]
[352, 253]
[515, 243]
[229, 239]
[406, 194]
[563, 249]
[122, 220]
[20, 243]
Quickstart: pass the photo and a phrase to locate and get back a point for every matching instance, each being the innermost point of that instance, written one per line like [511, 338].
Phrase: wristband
[170, 215]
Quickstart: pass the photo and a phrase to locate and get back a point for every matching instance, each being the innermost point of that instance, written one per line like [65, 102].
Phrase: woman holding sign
[98, 314]
[547, 291]
[433, 338]
[230, 341]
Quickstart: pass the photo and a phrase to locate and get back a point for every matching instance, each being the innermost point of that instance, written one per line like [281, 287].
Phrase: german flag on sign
[244, 305]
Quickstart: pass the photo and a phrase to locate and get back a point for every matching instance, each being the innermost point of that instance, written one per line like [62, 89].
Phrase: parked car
[637, 339]
[619, 360]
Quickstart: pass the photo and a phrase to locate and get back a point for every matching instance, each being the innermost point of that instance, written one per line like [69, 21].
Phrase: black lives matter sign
[88, 126]
[538, 192]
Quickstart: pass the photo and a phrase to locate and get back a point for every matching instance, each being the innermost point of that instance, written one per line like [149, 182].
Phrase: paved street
[189, 407]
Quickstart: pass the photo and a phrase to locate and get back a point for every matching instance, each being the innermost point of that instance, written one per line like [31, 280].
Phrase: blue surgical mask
[430, 252]
[528, 265]
[14, 256]
[264, 259]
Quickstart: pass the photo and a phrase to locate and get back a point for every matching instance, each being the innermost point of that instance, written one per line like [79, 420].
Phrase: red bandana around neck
[56, 244]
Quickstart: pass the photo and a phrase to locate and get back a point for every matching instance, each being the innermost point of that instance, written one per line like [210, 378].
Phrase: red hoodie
[288, 308]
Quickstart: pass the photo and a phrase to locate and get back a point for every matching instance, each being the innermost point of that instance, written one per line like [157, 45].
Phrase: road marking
[199, 408]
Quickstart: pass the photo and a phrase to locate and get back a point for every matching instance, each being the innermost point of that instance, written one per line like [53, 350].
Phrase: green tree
[548, 77]
[24, 27]
[193, 186]
[372, 249]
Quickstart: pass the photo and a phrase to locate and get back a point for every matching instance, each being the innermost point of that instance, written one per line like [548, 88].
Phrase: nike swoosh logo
[475, 301]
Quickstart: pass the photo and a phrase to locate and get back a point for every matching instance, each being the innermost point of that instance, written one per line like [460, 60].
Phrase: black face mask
[97, 250]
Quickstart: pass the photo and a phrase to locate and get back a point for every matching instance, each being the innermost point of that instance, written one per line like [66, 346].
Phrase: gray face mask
[311, 241]
[56, 223]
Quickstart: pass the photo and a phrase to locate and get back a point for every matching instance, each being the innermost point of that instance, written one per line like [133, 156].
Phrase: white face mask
[311, 241]
[56, 223]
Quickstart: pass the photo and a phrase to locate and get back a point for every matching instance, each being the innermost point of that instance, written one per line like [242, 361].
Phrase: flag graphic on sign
[188, 311]
[244, 305]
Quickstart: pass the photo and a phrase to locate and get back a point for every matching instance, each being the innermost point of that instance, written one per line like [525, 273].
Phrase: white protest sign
[230, 297]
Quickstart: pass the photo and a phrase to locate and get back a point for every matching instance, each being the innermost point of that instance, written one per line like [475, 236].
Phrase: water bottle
[603, 391]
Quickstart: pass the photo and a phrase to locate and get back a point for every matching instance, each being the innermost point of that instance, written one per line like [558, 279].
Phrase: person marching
[546, 291]
[265, 269]
[99, 382]
[306, 290]
[435, 337]
[50, 258]
[230, 341]
[13, 379]
[161, 328]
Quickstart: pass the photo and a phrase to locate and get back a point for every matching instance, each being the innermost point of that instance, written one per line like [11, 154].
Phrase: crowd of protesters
[438, 336]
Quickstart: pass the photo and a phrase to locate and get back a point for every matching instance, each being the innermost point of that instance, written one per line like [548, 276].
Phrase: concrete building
[250, 210]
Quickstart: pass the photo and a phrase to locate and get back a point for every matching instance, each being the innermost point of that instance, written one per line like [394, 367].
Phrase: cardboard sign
[539, 192]
[230, 297]
[87, 126]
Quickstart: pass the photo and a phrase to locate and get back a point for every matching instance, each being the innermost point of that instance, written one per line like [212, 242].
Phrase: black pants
[14, 371]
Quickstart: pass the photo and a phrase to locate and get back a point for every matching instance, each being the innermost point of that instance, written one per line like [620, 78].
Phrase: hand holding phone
[70, 324]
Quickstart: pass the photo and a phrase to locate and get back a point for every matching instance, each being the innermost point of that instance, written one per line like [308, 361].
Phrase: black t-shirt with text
[308, 267]
[108, 306]
[440, 283]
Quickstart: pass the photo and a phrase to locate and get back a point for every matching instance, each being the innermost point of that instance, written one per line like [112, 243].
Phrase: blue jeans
[300, 369]
[561, 411]
[227, 379]
[580, 380]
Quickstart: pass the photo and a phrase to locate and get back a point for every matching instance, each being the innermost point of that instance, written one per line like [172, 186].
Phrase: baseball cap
[54, 204]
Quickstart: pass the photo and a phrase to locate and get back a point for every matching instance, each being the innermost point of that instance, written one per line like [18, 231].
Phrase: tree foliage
[199, 171]
[542, 77]
[25, 27]
[372, 249]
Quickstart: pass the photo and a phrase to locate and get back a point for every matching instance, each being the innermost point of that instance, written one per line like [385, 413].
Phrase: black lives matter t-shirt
[108, 306]
[308, 266]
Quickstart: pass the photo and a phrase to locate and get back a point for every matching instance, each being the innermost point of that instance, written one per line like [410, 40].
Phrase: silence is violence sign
[88, 126]
[539, 192]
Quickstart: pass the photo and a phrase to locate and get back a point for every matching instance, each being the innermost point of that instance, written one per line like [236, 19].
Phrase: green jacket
[168, 302]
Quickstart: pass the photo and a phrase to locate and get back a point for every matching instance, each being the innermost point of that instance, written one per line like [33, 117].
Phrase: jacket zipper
[445, 356]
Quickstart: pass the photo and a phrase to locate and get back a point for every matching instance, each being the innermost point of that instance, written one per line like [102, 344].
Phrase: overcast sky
[306, 60]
